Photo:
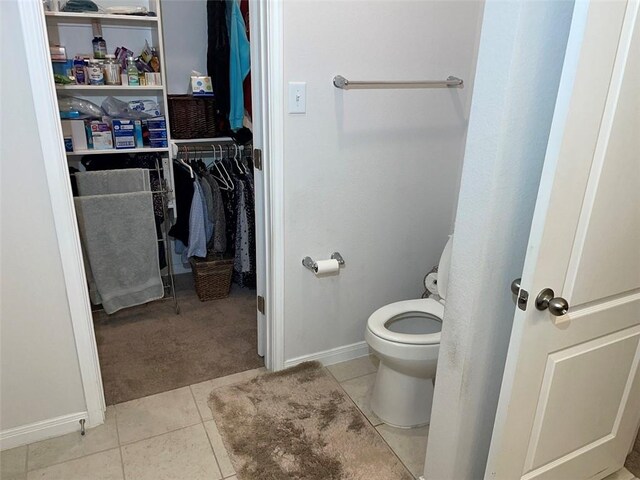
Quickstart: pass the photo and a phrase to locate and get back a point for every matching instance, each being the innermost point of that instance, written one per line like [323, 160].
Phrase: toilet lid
[443, 269]
[380, 322]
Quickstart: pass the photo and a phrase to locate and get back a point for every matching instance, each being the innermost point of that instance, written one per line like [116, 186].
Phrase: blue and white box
[125, 133]
[157, 127]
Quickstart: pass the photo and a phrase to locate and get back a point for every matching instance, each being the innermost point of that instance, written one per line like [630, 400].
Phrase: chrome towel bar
[452, 82]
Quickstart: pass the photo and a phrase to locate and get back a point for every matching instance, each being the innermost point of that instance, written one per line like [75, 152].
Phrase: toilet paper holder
[313, 266]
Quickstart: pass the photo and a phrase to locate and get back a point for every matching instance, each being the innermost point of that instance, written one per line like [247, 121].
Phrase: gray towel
[119, 236]
[104, 182]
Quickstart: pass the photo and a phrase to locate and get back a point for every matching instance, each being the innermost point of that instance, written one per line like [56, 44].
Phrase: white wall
[184, 25]
[372, 174]
[39, 372]
[519, 64]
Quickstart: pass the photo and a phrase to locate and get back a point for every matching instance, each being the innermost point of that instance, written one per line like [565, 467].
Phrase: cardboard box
[76, 130]
[58, 53]
[156, 132]
[153, 78]
[201, 86]
[101, 135]
[125, 133]
[159, 144]
[156, 123]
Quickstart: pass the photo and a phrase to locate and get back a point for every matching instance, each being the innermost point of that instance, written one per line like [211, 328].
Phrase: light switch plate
[297, 97]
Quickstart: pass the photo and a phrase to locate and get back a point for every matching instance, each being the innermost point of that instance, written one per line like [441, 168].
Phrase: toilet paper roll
[327, 266]
[431, 283]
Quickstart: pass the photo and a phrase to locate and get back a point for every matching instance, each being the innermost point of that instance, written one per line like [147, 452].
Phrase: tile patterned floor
[167, 436]
[172, 436]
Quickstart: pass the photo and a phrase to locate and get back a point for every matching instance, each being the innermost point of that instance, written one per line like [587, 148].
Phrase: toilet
[405, 336]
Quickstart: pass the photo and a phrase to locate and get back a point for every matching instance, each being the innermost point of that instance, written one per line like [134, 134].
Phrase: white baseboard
[35, 432]
[333, 356]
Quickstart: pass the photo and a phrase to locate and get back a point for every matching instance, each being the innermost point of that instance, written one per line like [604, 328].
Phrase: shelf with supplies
[97, 50]
[109, 18]
[110, 88]
[117, 150]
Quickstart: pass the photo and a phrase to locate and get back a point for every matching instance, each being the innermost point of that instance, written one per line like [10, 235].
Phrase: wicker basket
[192, 117]
[212, 277]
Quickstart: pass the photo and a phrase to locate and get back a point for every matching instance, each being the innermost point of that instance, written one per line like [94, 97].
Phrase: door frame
[64, 218]
[267, 45]
[271, 103]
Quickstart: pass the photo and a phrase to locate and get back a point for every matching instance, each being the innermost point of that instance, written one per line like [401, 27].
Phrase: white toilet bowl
[405, 336]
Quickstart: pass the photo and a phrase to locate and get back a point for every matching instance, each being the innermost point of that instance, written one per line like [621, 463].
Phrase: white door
[259, 128]
[570, 400]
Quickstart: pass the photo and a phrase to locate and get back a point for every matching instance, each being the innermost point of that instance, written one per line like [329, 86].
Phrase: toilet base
[401, 400]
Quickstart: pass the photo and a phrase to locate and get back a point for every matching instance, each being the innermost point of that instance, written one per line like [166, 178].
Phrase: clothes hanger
[235, 159]
[221, 180]
[226, 173]
[244, 165]
[186, 152]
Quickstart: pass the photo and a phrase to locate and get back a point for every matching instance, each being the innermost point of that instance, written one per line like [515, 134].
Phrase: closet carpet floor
[149, 349]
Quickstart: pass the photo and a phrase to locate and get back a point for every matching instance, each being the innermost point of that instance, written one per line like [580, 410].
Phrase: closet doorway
[143, 346]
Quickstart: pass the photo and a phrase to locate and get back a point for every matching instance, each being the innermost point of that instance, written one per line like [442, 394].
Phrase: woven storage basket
[212, 277]
[192, 117]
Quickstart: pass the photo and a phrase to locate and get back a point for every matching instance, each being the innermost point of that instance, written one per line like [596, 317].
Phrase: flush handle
[557, 306]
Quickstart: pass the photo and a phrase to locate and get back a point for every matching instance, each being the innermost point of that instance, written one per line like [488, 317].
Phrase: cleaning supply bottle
[132, 72]
[99, 47]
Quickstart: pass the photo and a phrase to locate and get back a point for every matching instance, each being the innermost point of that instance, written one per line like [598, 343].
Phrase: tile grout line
[353, 378]
[26, 461]
[213, 451]
[69, 459]
[115, 414]
[160, 434]
[374, 425]
[396, 455]
[350, 378]
[55, 464]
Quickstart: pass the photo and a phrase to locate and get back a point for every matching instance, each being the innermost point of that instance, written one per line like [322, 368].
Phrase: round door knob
[557, 306]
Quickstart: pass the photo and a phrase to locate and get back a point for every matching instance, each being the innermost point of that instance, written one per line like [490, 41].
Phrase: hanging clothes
[221, 217]
[183, 184]
[207, 207]
[218, 58]
[239, 62]
[219, 241]
[197, 244]
[244, 267]
[208, 197]
[229, 204]
[246, 86]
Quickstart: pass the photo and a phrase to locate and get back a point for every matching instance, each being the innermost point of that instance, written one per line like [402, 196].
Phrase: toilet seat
[427, 307]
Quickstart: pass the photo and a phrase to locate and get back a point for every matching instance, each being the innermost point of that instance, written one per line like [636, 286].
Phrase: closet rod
[451, 82]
